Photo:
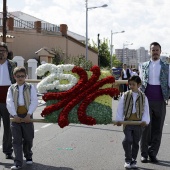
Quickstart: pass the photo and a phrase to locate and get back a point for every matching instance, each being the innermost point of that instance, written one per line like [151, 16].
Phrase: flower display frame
[79, 94]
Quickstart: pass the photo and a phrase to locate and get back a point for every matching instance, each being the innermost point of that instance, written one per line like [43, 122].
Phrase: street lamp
[124, 45]
[111, 46]
[98, 45]
[87, 8]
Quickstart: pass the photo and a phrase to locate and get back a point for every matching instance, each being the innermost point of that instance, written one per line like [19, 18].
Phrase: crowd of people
[143, 99]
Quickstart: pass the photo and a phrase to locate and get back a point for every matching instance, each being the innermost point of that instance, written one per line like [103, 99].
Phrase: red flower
[84, 92]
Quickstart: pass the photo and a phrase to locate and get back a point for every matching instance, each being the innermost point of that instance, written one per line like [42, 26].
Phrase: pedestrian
[134, 72]
[21, 103]
[155, 77]
[133, 106]
[6, 79]
[125, 75]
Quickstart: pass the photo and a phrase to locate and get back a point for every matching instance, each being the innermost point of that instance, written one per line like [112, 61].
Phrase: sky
[144, 21]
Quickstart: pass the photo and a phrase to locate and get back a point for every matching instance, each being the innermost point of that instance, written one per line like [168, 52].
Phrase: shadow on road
[6, 165]
[161, 163]
[92, 127]
[36, 166]
[140, 168]
[164, 163]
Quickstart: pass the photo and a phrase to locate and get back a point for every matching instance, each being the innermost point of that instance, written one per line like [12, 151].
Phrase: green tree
[81, 62]
[104, 54]
[116, 62]
[59, 56]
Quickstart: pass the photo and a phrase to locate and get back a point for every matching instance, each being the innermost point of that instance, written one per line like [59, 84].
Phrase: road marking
[36, 130]
[46, 125]
[0, 146]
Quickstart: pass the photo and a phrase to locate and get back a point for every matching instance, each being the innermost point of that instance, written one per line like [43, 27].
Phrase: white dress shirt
[124, 74]
[120, 109]
[21, 96]
[154, 73]
[4, 75]
[133, 73]
[32, 106]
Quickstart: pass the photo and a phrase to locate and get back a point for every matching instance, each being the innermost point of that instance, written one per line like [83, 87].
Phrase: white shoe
[127, 165]
[15, 167]
[144, 159]
[29, 161]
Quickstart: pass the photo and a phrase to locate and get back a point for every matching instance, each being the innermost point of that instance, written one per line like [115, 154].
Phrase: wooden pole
[33, 80]
[128, 122]
[113, 122]
[32, 120]
[4, 21]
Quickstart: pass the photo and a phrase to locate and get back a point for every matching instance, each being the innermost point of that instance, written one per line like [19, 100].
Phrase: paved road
[80, 147]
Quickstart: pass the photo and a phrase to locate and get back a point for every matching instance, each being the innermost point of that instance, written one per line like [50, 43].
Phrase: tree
[59, 56]
[116, 62]
[103, 52]
[81, 62]
[104, 55]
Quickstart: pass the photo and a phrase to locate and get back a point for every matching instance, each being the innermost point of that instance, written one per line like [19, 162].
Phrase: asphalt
[81, 147]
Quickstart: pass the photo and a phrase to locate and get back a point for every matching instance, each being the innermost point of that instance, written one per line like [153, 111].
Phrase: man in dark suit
[6, 79]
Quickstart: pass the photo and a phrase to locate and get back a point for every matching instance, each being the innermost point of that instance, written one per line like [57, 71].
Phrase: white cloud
[33, 2]
[143, 21]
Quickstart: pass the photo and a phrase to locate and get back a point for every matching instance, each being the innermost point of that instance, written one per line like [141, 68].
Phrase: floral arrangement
[56, 73]
[76, 96]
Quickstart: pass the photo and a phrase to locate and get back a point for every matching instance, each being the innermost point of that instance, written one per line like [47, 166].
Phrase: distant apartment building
[142, 55]
[132, 57]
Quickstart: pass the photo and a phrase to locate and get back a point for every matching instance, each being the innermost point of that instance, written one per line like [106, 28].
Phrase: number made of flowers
[55, 74]
[84, 92]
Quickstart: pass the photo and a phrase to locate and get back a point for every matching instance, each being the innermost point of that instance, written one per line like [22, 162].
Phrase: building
[132, 57]
[32, 34]
[127, 56]
[142, 55]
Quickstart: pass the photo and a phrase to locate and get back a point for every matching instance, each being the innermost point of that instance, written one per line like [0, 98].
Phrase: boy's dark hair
[155, 43]
[2, 44]
[135, 79]
[19, 69]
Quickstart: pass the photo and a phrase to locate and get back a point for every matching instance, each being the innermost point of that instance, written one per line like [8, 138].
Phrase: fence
[19, 23]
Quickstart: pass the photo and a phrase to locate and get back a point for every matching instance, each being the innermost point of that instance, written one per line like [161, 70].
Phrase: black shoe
[153, 159]
[144, 159]
[9, 156]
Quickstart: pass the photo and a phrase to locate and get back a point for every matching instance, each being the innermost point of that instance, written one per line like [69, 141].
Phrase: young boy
[21, 103]
[133, 106]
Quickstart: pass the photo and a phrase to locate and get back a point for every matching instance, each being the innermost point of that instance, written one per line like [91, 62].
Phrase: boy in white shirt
[21, 103]
[133, 106]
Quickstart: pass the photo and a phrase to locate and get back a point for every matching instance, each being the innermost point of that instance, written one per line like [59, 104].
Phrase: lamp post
[111, 46]
[4, 21]
[98, 46]
[125, 44]
[87, 8]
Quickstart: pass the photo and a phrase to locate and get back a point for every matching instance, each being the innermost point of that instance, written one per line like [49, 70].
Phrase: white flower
[56, 73]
